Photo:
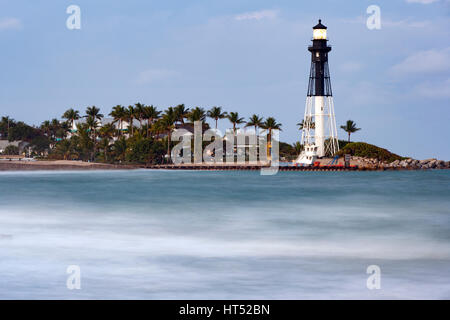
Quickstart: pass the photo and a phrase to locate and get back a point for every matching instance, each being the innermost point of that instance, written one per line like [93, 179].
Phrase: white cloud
[10, 23]
[424, 62]
[257, 15]
[156, 75]
[434, 90]
[422, 1]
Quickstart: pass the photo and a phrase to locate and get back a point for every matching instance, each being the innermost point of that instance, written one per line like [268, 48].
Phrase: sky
[248, 56]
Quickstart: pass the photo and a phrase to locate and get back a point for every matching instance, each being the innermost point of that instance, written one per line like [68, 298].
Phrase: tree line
[138, 133]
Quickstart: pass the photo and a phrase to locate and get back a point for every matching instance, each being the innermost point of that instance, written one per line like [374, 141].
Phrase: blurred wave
[186, 235]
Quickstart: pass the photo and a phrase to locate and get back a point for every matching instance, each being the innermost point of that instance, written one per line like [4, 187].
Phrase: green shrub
[40, 143]
[365, 150]
[145, 150]
[11, 150]
[22, 131]
[287, 151]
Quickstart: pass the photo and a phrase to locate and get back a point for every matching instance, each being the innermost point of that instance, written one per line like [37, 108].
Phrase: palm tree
[167, 123]
[107, 131]
[235, 119]
[45, 126]
[92, 125]
[216, 114]
[84, 140]
[71, 115]
[350, 127]
[5, 124]
[119, 114]
[130, 117]
[298, 147]
[120, 148]
[61, 131]
[139, 112]
[196, 114]
[255, 121]
[55, 126]
[151, 114]
[94, 112]
[104, 145]
[64, 148]
[270, 124]
[181, 112]
[303, 124]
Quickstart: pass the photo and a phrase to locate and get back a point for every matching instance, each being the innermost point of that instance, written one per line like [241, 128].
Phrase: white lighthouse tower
[319, 134]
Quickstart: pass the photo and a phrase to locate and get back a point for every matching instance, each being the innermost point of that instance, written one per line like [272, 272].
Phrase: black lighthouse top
[319, 79]
[319, 25]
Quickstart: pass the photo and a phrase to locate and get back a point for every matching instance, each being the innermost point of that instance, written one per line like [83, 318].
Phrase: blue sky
[248, 56]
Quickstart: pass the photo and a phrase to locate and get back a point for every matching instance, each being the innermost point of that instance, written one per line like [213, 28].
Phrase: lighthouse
[319, 134]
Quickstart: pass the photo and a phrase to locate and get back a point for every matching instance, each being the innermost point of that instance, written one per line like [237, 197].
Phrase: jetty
[209, 167]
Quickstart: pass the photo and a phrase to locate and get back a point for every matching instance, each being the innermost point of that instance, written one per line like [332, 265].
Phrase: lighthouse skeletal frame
[319, 124]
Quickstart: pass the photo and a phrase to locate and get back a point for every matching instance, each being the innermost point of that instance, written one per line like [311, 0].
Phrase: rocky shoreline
[411, 164]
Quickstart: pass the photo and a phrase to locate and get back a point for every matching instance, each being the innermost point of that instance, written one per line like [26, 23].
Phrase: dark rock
[426, 161]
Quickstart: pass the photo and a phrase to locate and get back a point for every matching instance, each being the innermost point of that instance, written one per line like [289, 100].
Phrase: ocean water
[224, 235]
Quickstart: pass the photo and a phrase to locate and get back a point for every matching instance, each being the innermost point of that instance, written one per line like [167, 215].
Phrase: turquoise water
[212, 235]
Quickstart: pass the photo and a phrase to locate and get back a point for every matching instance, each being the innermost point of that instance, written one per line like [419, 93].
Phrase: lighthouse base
[319, 126]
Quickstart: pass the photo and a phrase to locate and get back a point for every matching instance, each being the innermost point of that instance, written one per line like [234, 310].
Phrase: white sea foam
[137, 234]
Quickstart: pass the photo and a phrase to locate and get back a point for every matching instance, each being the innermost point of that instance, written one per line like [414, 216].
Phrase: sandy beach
[20, 165]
